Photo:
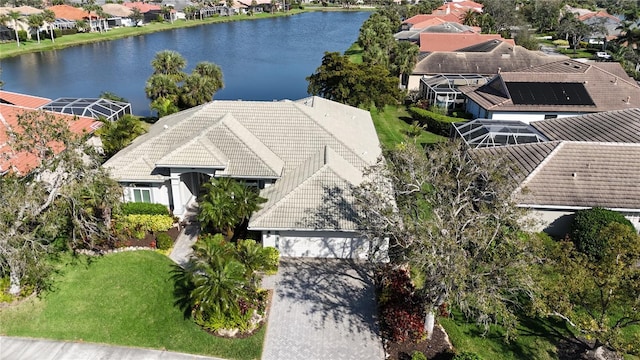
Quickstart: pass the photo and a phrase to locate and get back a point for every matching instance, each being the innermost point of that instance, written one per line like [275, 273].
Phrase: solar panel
[533, 93]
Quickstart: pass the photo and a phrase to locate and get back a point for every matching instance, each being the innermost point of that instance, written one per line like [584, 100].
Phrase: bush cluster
[587, 226]
[436, 123]
[137, 225]
[400, 307]
[144, 209]
[164, 241]
[467, 355]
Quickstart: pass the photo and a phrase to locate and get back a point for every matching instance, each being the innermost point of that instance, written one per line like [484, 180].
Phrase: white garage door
[324, 245]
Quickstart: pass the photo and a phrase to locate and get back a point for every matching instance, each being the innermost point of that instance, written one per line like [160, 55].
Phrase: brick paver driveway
[322, 309]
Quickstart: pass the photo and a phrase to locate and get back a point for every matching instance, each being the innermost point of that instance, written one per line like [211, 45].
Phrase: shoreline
[11, 49]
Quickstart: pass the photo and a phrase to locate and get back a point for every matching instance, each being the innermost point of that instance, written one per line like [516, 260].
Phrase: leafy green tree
[35, 22]
[116, 135]
[226, 204]
[572, 29]
[543, 14]
[164, 106]
[586, 230]
[15, 16]
[212, 282]
[340, 80]
[455, 224]
[38, 207]
[136, 16]
[599, 298]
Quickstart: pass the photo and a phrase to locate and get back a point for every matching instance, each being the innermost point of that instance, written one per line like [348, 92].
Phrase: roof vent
[615, 81]
[628, 100]
[166, 126]
[574, 174]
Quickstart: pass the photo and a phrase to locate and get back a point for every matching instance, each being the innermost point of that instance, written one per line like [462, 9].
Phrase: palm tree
[36, 21]
[50, 17]
[212, 282]
[136, 16]
[82, 25]
[161, 86]
[15, 16]
[196, 90]
[226, 204]
[164, 107]
[470, 18]
[115, 135]
[211, 71]
[171, 63]
[253, 257]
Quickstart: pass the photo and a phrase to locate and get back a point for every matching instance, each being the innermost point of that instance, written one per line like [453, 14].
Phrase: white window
[142, 195]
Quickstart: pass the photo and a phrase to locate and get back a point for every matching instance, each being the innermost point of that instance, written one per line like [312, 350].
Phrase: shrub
[467, 355]
[273, 258]
[418, 355]
[436, 123]
[164, 241]
[400, 308]
[586, 227]
[139, 224]
[144, 209]
[22, 35]
[561, 42]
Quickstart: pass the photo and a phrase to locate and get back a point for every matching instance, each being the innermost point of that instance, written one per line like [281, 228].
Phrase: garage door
[324, 245]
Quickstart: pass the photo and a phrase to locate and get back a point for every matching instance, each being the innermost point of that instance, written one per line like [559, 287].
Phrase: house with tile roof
[581, 162]
[485, 59]
[12, 106]
[304, 155]
[558, 89]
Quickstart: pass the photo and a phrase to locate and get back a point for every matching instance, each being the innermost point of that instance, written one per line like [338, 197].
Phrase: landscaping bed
[437, 348]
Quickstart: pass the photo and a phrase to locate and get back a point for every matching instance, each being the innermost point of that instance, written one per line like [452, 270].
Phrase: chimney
[499, 70]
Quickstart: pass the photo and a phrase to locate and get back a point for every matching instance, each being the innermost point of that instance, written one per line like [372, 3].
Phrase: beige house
[304, 155]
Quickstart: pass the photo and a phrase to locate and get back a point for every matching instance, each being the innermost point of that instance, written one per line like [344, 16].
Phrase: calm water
[263, 59]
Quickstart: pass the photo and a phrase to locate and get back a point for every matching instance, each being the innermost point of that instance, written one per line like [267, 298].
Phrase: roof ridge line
[539, 167]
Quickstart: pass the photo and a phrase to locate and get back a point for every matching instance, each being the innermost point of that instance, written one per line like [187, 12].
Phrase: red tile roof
[143, 7]
[29, 101]
[430, 42]
[71, 13]
[23, 162]
[424, 17]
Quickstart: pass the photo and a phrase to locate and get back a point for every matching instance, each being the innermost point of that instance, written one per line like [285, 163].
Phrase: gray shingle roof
[612, 126]
[607, 90]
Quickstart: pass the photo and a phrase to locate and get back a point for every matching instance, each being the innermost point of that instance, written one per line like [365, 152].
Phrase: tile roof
[23, 10]
[621, 126]
[28, 101]
[71, 13]
[606, 90]
[430, 42]
[143, 7]
[417, 19]
[302, 199]
[23, 162]
[568, 174]
[117, 10]
[499, 56]
[313, 137]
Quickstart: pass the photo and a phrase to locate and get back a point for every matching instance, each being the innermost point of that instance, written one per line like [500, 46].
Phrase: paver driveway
[322, 309]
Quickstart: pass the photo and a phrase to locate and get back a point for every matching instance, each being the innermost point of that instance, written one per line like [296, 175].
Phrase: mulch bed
[150, 239]
[438, 348]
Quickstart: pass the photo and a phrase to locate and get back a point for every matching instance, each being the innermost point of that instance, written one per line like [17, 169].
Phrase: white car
[603, 55]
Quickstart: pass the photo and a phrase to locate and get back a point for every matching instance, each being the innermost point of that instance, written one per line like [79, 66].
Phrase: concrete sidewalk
[13, 348]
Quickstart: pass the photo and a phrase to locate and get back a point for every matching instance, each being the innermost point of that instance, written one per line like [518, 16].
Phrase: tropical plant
[212, 282]
[35, 22]
[116, 135]
[15, 16]
[136, 16]
[170, 63]
[226, 204]
[586, 230]
[50, 17]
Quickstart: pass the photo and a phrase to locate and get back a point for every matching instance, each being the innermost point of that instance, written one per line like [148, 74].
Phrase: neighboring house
[12, 105]
[70, 13]
[605, 26]
[119, 15]
[304, 155]
[430, 42]
[435, 26]
[579, 162]
[559, 89]
[485, 59]
[150, 12]
[421, 21]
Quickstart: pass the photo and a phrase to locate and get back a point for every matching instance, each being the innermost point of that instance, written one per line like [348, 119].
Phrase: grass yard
[392, 125]
[121, 299]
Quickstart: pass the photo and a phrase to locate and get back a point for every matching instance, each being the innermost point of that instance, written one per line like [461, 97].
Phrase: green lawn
[11, 48]
[392, 125]
[124, 299]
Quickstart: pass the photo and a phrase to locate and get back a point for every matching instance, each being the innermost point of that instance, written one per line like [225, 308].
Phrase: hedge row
[140, 208]
[436, 123]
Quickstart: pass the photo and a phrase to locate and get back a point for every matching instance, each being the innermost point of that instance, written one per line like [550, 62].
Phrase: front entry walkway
[322, 309]
[182, 249]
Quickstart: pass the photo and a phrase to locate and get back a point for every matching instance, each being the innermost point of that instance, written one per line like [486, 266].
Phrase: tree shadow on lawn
[332, 292]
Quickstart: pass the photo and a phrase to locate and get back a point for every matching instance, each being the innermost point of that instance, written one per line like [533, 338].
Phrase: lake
[266, 59]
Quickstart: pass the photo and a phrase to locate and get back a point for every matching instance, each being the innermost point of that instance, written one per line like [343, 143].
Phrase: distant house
[12, 105]
[304, 155]
[150, 12]
[119, 15]
[69, 13]
[605, 25]
[558, 89]
[485, 59]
